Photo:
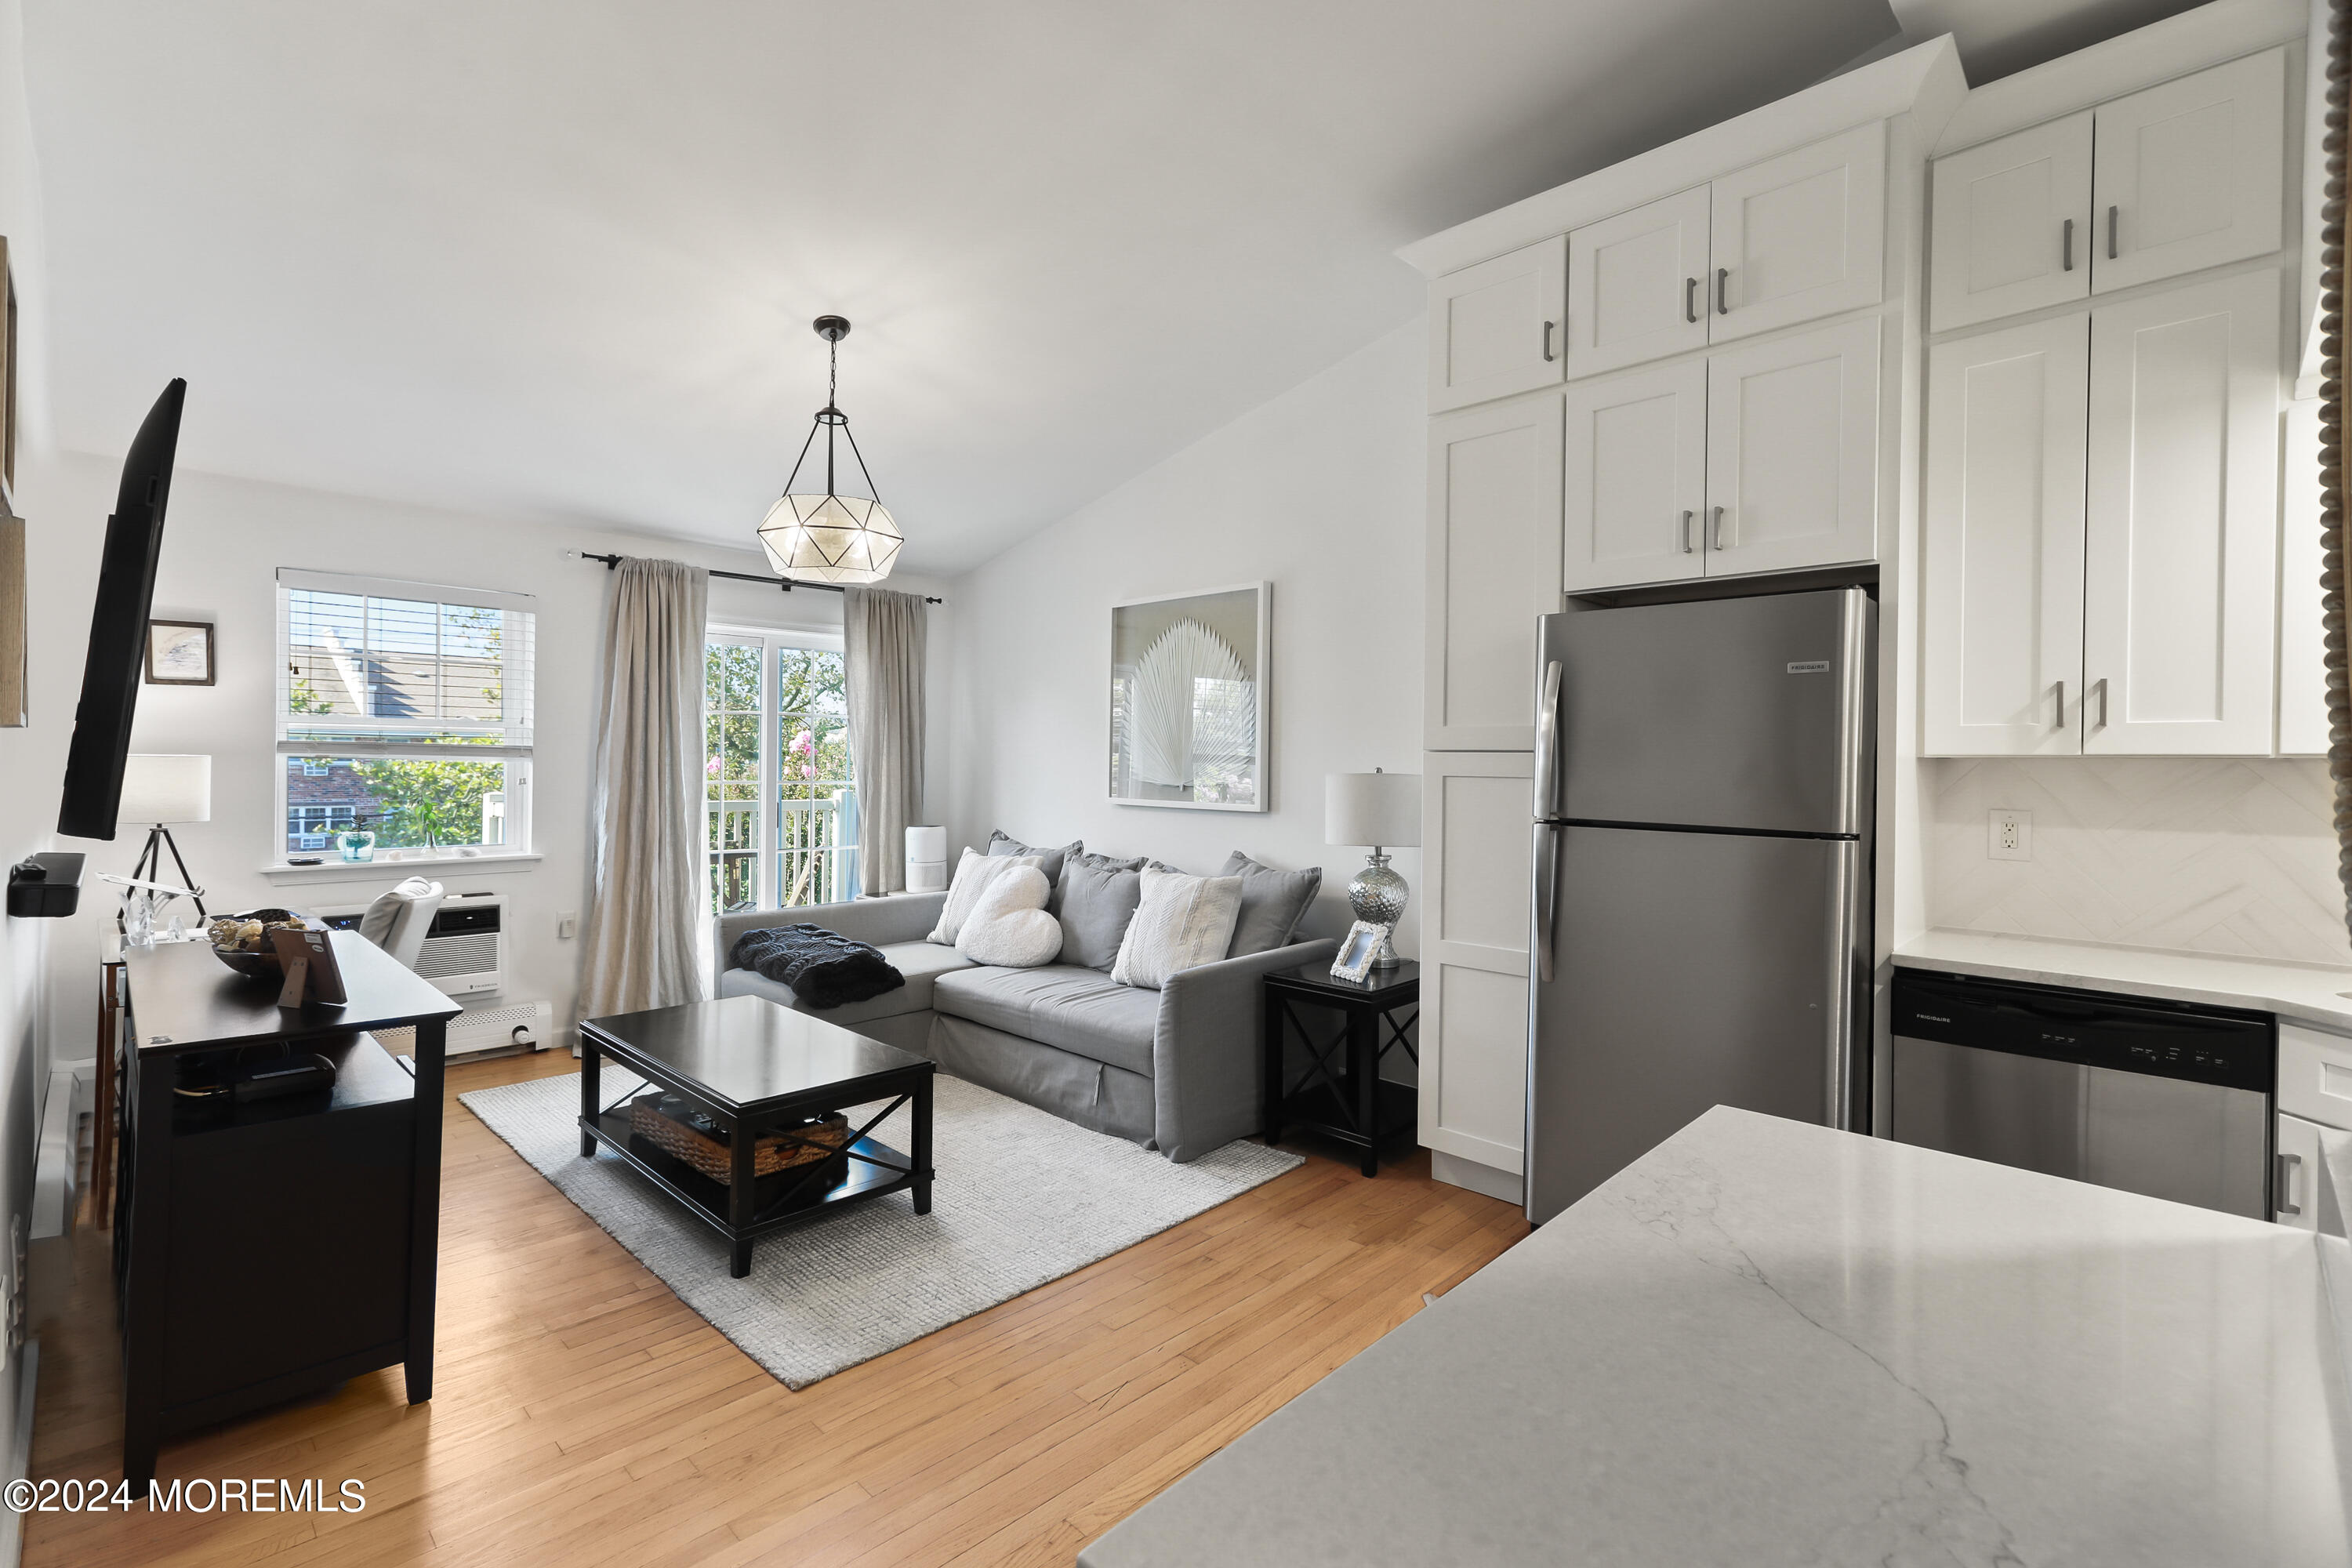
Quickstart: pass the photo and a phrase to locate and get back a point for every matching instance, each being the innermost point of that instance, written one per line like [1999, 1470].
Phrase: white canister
[926, 860]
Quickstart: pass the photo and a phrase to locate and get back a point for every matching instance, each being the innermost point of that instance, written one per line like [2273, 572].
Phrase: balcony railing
[815, 861]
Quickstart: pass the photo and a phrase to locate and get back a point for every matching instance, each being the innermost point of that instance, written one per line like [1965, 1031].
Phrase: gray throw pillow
[1048, 860]
[1272, 903]
[1098, 899]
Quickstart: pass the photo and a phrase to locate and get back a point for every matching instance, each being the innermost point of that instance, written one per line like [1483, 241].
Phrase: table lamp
[1382, 810]
[161, 789]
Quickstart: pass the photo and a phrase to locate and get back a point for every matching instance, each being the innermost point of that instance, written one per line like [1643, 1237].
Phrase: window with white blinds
[404, 716]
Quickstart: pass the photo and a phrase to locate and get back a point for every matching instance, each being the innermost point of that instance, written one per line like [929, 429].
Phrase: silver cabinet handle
[1716, 530]
[2067, 249]
[2102, 702]
[2111, 234]
[1547, 744]
[1549, 327]
[2281, 1176]
[2062, 706]
[1690, 299]
[1686, 523]
[1546, 910]
[1722, 277]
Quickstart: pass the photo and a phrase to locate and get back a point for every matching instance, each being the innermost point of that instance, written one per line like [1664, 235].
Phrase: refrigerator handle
[1849, 915]
[1546, 910]
[1547, 744]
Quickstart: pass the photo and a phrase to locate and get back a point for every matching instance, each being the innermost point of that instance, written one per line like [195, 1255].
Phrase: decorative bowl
[259, 960]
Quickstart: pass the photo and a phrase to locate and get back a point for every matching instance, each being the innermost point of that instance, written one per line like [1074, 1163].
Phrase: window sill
[336, 869]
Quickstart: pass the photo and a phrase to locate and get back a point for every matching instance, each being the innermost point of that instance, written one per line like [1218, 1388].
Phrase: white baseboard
[1455, 1171]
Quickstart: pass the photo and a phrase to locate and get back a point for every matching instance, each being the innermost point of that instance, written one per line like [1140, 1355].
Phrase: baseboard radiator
[480, 1033]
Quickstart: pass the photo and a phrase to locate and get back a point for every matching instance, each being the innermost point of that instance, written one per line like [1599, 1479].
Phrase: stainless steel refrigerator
[1702, 875]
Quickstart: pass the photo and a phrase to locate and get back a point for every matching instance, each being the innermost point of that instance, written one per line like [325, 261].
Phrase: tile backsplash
[2199, 855]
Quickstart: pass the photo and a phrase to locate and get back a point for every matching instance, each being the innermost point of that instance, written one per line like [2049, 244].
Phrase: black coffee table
[752, 1065]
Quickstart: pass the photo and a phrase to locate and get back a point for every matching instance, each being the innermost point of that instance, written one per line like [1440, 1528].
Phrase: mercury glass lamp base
[1378, 896]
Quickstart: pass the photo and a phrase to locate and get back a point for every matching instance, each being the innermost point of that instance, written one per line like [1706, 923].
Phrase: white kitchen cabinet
[2190, 174]
[1634, 489]
[2003, 578]
[1495, 328]
[2296, 1168]
[1637, 285]
[1476, 811]
[2315, 1074]
[2302, 637]
[1792, 451]
[2179, 612]
[1494, 567]
[2012, 225]
[1799, 236]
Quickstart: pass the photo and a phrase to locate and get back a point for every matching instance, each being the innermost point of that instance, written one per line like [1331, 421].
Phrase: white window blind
[374, 667]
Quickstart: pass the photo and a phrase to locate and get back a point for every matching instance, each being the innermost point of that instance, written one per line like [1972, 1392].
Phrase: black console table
[1348, 1101]
[268, 1250]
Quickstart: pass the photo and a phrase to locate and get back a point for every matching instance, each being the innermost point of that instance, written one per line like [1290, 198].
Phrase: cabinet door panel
[1800, 235]
[1636, 285]
[2002, 243]
[1635, 469]
[2295, 1196]
[2302, 637]
[1494, 567]
[1494, 329]
[2180, 552]
[1792, 452]
[2189, 174]
[2003, 537]
[1475, 814]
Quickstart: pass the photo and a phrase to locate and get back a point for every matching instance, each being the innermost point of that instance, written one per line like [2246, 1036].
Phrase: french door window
[779, 804]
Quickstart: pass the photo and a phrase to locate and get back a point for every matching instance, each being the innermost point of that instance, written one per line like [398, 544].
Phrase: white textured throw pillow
[1183, 922]
[975, 873]
[1009, 927]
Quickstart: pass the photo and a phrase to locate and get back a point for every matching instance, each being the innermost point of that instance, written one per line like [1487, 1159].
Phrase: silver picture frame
[1189, 719]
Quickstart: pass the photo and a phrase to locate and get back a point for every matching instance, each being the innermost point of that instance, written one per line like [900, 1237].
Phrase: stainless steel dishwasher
[2152, 1097]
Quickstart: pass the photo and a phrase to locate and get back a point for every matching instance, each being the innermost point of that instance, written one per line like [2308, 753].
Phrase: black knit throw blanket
[823, 967]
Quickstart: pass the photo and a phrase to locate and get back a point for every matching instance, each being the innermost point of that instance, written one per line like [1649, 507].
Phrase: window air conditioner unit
[464, 951]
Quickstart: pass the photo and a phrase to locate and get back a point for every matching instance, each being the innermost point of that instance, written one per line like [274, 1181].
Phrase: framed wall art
[1187, 699]
[179, 653]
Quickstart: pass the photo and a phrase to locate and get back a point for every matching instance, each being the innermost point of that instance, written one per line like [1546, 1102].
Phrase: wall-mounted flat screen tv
[118, 624]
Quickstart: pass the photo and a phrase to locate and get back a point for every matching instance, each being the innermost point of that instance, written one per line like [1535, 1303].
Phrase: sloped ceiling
[558, 257]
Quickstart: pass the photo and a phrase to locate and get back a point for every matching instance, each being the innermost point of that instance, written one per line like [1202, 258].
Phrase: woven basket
[659, 1120]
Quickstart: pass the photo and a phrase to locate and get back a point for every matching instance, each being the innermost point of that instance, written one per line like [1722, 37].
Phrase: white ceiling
[559, 257]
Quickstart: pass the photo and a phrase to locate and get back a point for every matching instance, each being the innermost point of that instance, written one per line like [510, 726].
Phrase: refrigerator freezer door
[1749, 713]
[1690, 970]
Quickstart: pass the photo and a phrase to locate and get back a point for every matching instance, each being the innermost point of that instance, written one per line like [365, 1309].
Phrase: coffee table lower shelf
[706, 1199]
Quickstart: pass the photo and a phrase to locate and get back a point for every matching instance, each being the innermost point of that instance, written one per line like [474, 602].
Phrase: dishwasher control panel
[2131, 1034]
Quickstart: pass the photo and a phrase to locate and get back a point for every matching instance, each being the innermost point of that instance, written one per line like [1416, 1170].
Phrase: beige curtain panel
[882, 637]
[645, 916]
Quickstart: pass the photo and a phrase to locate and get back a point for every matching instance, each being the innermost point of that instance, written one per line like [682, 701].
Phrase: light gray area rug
[1021, 1197]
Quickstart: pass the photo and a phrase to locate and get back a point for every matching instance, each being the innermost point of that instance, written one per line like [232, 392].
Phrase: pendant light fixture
[824, 536]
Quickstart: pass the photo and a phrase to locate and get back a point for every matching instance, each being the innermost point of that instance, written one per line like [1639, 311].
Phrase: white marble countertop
[2301, 992]
[1765, 1343]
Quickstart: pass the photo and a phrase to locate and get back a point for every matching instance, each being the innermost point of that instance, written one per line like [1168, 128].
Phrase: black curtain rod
[786, 583]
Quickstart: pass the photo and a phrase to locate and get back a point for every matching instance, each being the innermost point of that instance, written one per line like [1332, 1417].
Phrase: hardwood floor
[583, 1414]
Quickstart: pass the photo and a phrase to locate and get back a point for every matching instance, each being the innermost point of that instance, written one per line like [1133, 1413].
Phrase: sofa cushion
[1074, 1009]
[1048, 860]
[1272, 902]
[1181, 923]
[1098, 898]
[974, 874]
[1009, 926]
[921, 962]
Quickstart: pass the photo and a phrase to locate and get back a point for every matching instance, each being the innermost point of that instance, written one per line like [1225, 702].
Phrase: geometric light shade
[1379, 809]
[830, 539]
[160, 788]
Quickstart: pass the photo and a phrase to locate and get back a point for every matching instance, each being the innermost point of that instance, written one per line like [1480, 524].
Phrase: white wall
[222, 542]
[2199, 854]
[1318, 492]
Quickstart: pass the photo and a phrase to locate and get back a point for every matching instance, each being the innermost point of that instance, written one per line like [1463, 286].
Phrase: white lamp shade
[159, 788]
[1382, 809]
[830, 539]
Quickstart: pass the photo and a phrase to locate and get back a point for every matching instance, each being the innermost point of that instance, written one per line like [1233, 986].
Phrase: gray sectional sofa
[1176, 1069]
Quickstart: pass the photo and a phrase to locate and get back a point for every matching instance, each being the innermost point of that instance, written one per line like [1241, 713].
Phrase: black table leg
[1270, 1064]
[588, 1092]
[425, 1214]
[742, 1150]
[922, 1115]
[1364, 1077]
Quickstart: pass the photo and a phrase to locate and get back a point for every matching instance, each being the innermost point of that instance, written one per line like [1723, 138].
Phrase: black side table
[1353, 1105]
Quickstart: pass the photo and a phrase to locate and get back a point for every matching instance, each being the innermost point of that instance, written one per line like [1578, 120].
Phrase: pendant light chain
[831, 538]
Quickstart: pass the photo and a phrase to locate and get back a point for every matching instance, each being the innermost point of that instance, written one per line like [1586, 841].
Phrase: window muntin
[780, 803]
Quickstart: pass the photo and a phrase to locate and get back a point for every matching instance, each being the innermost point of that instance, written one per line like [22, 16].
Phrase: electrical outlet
[567, 925]
[2011, 835]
